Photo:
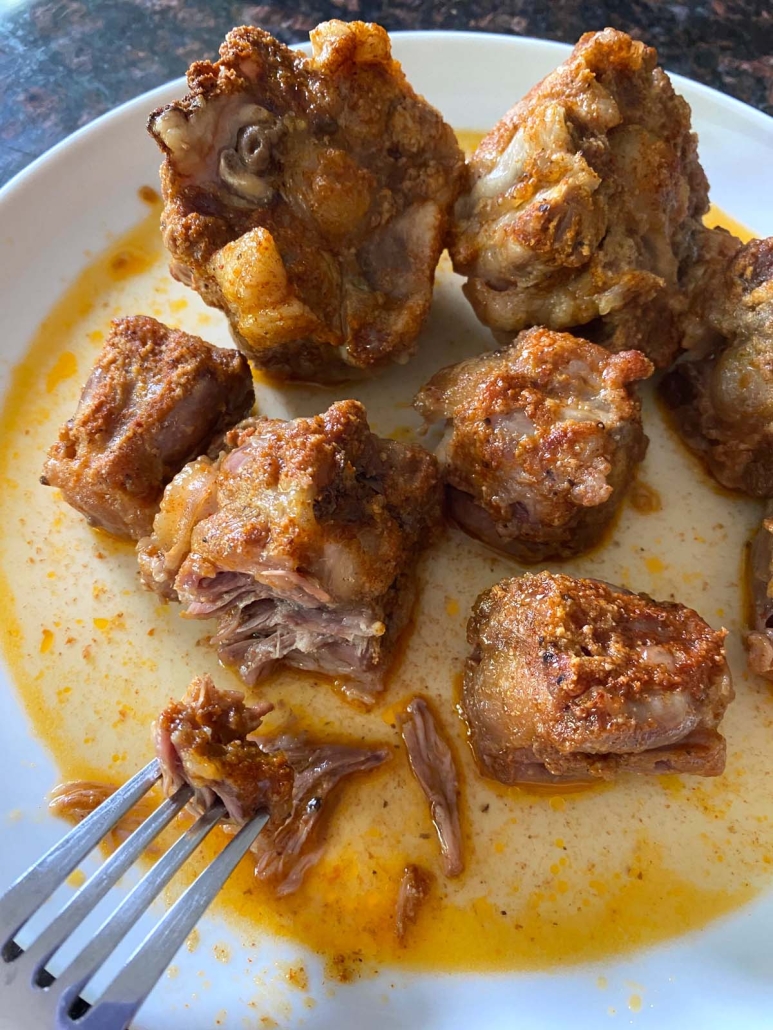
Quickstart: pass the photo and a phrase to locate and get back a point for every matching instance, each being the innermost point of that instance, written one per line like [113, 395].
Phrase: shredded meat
[415, 886]
[433, 766]
[542, 440]
[723, 402]
[285, 853]
[759, 641]
[76, 799]
[155, 399]
[202, 740]
[584, 203]
[308, 197]
[574, 679]
[301, 540]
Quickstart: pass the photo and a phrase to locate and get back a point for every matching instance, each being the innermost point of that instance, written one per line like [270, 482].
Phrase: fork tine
[35, 886]
[127, 992]
[79, 906]
[117, 925]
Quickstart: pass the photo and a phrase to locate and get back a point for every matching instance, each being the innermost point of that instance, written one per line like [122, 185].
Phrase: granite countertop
[63, 62]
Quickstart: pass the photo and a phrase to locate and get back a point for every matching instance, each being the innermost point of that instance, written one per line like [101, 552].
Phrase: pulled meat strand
[285, 854]
[415, 886]
[77, 799]
[201, 740]
[433, 766]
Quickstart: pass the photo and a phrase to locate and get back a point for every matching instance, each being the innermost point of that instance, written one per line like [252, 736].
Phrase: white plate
[71, 201]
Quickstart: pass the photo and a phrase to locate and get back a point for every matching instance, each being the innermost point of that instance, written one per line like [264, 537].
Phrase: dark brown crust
[589, 224]
[156, 398]
[576, 679]
[723, 403]
[759, 639]
[542, 440]
[349, 149]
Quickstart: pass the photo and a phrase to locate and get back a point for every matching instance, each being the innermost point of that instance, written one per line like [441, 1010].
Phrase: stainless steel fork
[30, 997]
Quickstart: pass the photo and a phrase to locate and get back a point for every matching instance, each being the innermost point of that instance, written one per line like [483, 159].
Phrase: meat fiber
[285, 853]
[433, 766]
[415, 886]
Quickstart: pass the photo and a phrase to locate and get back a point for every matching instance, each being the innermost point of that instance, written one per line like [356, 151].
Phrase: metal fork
[30, 997]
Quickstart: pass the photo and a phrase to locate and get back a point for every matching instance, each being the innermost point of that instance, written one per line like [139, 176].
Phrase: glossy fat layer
[551, 877]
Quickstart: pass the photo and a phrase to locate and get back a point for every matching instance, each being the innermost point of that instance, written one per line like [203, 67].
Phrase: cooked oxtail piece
[308, 197]
[723, 402]
[541, 441]
[156, 398]
[301, 539]
[204, 741]
[584, 205]
[574, 679]
[759, 641]
[433, 765]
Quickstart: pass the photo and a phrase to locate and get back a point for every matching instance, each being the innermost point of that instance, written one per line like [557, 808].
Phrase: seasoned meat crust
[202, 741]
[583, 202]
[308, 197]
[155, 399]
[759, 641]
[542, 440]
[723, 402]
[301, 538]
[575, 679]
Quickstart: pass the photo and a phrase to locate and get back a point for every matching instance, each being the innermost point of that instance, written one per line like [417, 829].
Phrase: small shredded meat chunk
[202, 740]
[77, 799]
[415, 886]
[759, 640]
[286, 852]
[723, 402]
[301, 539]
[433, 766]
[542, 439]
[308, 197]
[584, 205]
[156, 398]
[574, 679]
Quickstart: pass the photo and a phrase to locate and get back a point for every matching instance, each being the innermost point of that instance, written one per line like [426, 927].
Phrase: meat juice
[552, 875]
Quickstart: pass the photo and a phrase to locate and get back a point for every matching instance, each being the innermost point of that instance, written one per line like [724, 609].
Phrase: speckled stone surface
[63, 62]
